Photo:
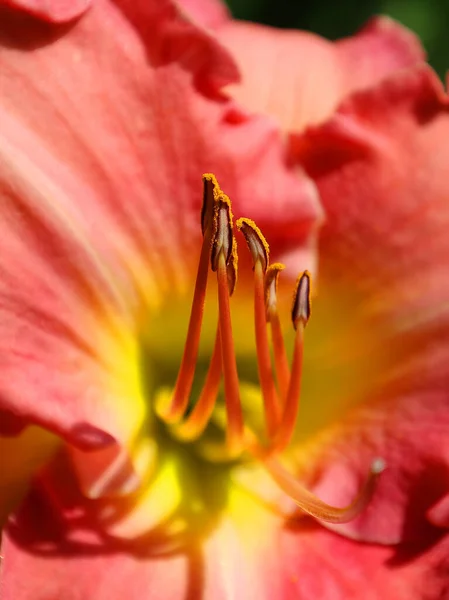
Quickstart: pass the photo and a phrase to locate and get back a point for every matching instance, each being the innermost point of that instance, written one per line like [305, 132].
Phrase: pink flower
[109, 117]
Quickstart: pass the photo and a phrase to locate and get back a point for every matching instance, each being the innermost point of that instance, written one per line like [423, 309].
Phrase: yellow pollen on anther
[255, 240]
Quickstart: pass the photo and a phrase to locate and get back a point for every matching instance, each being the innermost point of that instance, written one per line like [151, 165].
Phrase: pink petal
[250, 553]
[318, 564]
[106, 130]
[381, 166]
[53, 11]
[300, 78]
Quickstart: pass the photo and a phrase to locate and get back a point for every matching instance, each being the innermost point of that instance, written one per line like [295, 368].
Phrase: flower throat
[280, 388]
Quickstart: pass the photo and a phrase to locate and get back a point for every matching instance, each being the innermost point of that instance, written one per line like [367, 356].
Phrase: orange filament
[270, 398]
[198, 419]
[300, 316]
[230, 375]
[280, 354]
[315, 507]
[289, 416]
[187, 369]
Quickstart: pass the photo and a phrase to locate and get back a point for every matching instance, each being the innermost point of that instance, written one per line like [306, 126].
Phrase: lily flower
[155, 479]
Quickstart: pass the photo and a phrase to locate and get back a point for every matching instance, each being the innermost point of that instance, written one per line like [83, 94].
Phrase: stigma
[280, 382]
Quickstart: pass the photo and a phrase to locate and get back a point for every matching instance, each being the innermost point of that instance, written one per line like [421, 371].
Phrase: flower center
[280, 387]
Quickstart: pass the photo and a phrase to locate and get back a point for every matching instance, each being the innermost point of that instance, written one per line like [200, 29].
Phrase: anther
[172, 414]
[211, 191]
[279, 352]
[301, 300]
[256, 242]
[222, 242]
[259, 250]
[300, 316]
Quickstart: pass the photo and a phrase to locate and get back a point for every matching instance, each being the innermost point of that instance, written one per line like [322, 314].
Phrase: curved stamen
[315, 507]
[260, 254]
[183, 386]
[198, 419]
[280, 354]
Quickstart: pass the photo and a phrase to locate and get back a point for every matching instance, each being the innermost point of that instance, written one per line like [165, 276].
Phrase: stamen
[198, 419]
[222, 253]
[183, 386]
[260, 253]
[300, 316]
[315, 507]
[279, 351]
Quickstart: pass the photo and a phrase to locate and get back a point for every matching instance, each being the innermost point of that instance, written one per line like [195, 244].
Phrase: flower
[100, 194]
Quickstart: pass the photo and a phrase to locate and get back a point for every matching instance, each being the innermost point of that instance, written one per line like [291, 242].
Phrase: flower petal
[318, 564]
[251, 554]
[381, 167]
[300, 78]
[53, 11]
[208, 13]
[106, 130]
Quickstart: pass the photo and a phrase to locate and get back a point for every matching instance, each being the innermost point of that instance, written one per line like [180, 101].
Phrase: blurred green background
[338, 18]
